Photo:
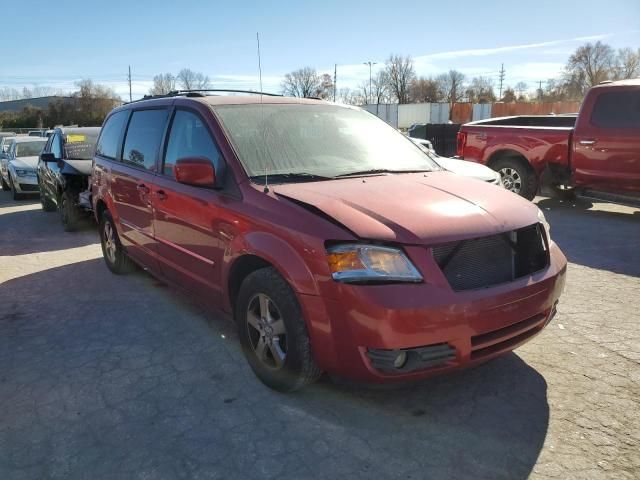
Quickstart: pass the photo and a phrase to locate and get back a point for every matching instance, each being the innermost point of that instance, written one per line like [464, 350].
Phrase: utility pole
[130, 97]
[335, 80]
[371, 64]
[540, 90]
[501, 76]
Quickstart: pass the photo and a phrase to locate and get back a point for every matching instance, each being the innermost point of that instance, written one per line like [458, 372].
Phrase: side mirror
[48, 157]
[197, 171]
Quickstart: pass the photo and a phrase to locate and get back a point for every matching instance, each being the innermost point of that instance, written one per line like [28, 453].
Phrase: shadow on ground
[32, 230]
[121, 377]
[606, 239]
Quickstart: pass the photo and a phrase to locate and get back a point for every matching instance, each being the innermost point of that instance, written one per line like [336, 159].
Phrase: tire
[45, 201]
[286, 363]
[5, 185]
[69, 215]
[14, 193]
[114, 255]
[517, 176]
[563, 193]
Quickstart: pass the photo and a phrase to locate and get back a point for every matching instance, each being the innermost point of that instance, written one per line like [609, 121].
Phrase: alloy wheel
[267, 331]
[110, 246]
[511, 179]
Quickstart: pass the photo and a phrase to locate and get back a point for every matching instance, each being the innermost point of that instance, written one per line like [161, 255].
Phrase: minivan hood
[418, 208]
[30, 163]
[470, 169]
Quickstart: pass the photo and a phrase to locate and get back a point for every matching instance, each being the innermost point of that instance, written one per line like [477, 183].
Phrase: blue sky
[57, 43]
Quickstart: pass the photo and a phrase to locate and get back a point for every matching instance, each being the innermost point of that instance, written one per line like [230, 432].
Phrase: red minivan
[335, 242]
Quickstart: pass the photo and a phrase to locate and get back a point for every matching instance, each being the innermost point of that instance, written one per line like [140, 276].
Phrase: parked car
[335, 243]
[5, 140]
[597, 152]
[18, 170]
[461, 167]
[63, 173]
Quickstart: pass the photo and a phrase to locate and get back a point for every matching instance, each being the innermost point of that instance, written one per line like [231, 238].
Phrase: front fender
[279, 253]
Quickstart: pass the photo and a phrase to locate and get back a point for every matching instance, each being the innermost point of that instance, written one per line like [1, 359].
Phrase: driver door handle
[161, 195]
[591, 141]
[142, 188]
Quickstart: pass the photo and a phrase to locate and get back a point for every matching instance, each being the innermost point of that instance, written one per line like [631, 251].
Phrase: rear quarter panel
[539, 145]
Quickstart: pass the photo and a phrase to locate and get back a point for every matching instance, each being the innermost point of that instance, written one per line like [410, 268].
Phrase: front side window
[109, 140]
[617, 110]
[29, 149]
[143, 137]
[189, 137]
[322, 140]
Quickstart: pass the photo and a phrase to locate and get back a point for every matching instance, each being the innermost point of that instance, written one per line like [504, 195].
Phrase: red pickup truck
[596, 153]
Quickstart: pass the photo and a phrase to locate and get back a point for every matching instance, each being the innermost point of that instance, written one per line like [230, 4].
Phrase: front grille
[419, 358]
[506, 338]
[26, 187]
[487, 261]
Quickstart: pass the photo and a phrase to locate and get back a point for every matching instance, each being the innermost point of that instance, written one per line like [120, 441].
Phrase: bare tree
[452, 86]
[400, 74]
[521, 89]
[190, 80]
[325, 90]
[425, 90]
[163, 84]
[304, 82]
[480, 90]
[589, 65]
[627, 64]
[94, 102]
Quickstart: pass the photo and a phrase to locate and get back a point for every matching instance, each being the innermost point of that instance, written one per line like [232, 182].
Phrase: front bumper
[359, 334]
[25, 184]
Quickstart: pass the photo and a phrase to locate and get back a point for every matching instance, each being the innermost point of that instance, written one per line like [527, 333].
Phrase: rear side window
[110, 135]
[617, 110]
[143, 138]
[189, 137]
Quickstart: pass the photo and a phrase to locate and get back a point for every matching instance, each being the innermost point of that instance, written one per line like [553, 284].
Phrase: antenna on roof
[264, 136]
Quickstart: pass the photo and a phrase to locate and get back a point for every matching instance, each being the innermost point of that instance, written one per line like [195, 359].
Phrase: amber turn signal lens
[341, 261]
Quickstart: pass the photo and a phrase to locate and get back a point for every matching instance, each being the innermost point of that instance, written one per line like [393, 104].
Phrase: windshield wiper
[375, 171]
[289, 177]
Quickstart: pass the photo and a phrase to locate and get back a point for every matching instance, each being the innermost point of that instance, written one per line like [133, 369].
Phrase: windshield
[80, 146]
[29, 149]
[324, 140]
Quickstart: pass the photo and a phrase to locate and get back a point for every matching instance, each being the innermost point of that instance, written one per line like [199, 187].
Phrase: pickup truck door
[606, 141]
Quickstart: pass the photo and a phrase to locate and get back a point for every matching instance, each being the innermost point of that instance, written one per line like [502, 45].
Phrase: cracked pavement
[105, 376]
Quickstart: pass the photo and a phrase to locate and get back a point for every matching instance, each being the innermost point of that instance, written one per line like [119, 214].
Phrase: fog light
[400, 360]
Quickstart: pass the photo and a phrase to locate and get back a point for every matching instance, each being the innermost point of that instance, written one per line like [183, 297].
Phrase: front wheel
[14, 192]
[114, 255]
[273, 332]
[45, 201]
[517, 176]
[68, 212]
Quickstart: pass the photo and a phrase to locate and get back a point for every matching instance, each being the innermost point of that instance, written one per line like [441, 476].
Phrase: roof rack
[200, 92]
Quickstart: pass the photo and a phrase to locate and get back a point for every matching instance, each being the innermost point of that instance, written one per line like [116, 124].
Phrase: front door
[607, 145]
[188, 219]
[132, 183]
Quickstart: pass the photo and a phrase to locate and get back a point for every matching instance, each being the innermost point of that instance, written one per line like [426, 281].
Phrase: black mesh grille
[486, 261]
[26, 187]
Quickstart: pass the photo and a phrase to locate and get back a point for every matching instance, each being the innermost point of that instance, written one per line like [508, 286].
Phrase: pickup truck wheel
[68, 213]
[114, 255]
[517, 177]
[47, 204]
[563, 192]
[273, 332]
